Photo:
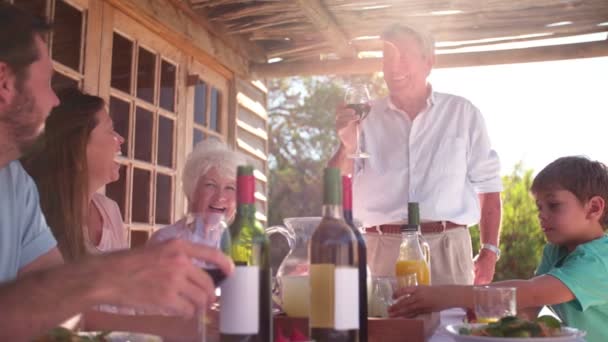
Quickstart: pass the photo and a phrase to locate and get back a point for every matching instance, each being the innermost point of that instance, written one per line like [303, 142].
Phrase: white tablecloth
[446, 317]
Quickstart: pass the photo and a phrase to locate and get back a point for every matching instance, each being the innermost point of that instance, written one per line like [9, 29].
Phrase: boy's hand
[415, 300]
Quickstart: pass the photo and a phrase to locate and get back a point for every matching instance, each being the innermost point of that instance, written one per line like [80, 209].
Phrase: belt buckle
[444, 225]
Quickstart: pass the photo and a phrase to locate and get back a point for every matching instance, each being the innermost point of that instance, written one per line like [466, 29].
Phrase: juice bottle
[412, 257]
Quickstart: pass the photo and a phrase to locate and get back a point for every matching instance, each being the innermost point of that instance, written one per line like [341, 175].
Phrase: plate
[567, 335]
[124, 337]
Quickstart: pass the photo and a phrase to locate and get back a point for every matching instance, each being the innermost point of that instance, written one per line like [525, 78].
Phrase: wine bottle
[347, 206]
[334, 273]
[245, 302]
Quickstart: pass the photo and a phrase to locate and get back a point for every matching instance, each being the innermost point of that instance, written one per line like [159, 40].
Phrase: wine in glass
[357, 99]
[209, 230]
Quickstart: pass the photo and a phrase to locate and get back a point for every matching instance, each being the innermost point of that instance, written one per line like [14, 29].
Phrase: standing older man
[36, 292]
[424, 147]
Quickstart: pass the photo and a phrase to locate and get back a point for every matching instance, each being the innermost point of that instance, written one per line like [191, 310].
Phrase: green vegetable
[549, 321]
[516, 327]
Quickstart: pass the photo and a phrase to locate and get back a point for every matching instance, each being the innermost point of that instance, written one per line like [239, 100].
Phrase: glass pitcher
[291, 288]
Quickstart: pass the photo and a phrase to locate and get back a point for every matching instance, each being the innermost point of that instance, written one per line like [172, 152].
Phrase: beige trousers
[451, 255]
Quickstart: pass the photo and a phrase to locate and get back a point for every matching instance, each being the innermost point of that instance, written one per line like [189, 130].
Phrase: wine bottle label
[240, 302]
[334, 297]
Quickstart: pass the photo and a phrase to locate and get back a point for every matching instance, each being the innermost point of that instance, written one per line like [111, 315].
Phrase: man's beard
[21, 120]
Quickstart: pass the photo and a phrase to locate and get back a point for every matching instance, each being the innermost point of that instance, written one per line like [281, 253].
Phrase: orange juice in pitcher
[418, 267]
[413, 258]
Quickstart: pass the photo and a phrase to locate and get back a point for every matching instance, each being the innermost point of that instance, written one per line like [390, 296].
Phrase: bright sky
[537, 112]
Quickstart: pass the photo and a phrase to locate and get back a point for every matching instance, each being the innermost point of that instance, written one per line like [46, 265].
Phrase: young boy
[571, 195]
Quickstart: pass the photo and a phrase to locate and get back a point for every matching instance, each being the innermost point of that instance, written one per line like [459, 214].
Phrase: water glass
[492, 303]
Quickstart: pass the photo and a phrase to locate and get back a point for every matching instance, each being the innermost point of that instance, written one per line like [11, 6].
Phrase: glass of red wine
[357, 98]
[210, 230]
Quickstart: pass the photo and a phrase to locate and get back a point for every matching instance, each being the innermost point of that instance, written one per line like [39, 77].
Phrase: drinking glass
[208, 230]
[383, 290]
[357, 98]
[492, 303]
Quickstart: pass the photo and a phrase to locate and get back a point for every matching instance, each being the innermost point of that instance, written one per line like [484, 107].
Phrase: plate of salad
[66, 335]
[514, 329]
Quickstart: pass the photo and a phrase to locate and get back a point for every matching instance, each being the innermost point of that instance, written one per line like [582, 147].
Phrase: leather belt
[425, 227]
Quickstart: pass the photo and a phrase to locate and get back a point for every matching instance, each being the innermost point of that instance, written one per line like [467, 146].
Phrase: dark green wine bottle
[334, 273]
[347, 207]
[245, 302]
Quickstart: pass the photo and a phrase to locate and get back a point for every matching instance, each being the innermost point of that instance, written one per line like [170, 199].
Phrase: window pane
[60, 81]
[214, 111]
[165, 141]
[141, 196]
[200, 103]
[143, 135]
[120, 113]
[67, 31]
[167, 86]
[122, 52]
[37, 7]
[118, 191]
[197, 137]
[146, 71]
[164, 199]
[139, 238]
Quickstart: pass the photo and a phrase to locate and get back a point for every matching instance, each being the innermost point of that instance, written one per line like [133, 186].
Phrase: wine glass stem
[358, 151]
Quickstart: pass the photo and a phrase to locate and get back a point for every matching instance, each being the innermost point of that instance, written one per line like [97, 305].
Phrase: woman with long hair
[73, 159]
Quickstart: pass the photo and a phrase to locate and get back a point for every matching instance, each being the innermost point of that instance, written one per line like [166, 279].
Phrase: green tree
[521, 238]
[303, 138]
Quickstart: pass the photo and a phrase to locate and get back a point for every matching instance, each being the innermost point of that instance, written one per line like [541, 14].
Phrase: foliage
[303, 139]
[521, 238]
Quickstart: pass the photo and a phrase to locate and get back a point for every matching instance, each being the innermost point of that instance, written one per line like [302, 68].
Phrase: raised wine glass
[357, 99]
[207, 229]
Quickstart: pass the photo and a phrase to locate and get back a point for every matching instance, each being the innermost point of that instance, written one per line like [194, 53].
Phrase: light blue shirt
[24, 234]
[585, 273]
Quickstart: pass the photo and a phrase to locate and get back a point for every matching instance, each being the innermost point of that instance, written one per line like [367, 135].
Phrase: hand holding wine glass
[357, 98]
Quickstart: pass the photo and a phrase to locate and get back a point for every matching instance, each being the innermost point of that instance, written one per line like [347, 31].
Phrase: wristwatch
[492, 248]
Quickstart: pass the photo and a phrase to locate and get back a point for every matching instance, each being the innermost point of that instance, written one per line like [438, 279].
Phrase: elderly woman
[209, 183]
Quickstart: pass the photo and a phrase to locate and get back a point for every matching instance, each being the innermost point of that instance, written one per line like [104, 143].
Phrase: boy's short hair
[581, 176]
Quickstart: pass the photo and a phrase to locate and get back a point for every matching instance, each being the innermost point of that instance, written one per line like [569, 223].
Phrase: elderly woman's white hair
[208, 154]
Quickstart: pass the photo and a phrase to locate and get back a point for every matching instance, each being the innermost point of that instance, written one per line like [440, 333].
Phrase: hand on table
[161, 277]
[484, 265]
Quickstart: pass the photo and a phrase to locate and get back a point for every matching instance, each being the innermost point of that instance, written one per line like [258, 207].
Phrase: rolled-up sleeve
[483, 162]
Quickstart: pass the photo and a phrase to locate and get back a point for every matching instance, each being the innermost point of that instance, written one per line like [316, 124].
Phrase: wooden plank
[370, 65]
[170, 22]
[323, 20]
[377, 44]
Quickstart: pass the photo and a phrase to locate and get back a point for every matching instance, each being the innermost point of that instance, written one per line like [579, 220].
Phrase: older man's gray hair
[424, 38]
[208, 154]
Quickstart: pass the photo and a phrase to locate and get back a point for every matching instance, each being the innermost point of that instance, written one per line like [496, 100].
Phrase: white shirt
[442, 159]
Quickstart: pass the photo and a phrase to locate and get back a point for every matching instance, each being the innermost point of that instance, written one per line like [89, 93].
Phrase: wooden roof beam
[370, 65]
[322, 19]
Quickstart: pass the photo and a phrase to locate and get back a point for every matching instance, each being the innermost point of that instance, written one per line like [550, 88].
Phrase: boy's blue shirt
[585, 273]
